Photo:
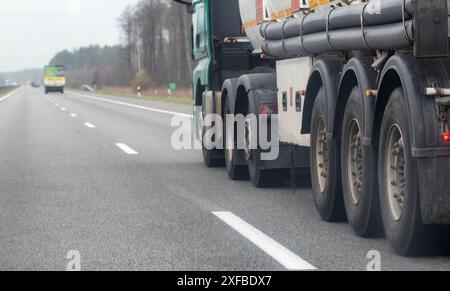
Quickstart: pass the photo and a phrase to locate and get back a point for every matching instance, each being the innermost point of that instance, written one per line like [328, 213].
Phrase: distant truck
[54, 79]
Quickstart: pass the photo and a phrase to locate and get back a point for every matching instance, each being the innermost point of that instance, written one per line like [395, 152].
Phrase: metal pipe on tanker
[388, 36]
[386, 12]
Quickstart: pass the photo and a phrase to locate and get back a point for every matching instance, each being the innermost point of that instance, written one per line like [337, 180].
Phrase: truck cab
[224, 53]
[219, 45]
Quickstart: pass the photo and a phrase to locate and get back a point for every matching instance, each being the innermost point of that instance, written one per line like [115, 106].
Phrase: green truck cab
[223, 53]
[217, 36]
[221, 50]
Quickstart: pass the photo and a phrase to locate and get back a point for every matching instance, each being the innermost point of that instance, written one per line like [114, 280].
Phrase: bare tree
[155, 38]
[126, 25]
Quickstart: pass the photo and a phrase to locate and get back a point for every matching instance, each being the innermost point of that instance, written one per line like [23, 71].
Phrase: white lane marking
[73, 115]
[90, 125]
[56, 104]
[278, 252]
[63, 109]
[126, 149]
[9, 95]
[133, 105]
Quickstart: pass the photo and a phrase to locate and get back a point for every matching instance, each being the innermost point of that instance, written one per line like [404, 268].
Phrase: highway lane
[101, 178]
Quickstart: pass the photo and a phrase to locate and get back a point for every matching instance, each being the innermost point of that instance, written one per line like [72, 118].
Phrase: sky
[33, 31]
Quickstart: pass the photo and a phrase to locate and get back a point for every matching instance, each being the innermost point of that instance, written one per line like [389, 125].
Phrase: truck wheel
[232, 153]
[259, 177]
[325, 165]
[359, 182]
[263, 178]
[399, 197]
[212, 158]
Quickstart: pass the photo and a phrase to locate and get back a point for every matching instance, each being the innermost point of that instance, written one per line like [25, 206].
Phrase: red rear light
[268, 109]
[445, 137]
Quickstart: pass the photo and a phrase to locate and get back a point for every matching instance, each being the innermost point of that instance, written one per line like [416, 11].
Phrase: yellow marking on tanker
[250, 24]
[315, 3]
[283, 13]
[275, 16]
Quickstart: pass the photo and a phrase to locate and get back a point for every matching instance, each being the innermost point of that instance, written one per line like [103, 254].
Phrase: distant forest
[95, 65]
[154, 50]
[21, 76]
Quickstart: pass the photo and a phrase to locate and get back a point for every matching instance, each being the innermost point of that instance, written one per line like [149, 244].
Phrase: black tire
[212, 158]
[62, 91]
[406, 232]
[359, 172]
[325, 177]
[264, 178]
[235, 172]
[260, 176]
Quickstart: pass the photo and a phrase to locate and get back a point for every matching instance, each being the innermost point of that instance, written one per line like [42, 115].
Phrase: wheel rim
[321, 155]
[248, 139]
[354, 161]
[229, 144]
[395, 172]
[199, 128]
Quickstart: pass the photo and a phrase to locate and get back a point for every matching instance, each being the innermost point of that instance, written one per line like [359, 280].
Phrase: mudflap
[434, 189]
[290, 157]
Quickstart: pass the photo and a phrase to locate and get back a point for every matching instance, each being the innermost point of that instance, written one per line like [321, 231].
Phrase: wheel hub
[395, 172]
[248, 139]
[229, 143]
[321, 155]
[354, 161]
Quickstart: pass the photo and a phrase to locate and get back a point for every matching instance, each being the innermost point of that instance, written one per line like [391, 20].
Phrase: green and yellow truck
[54, 79]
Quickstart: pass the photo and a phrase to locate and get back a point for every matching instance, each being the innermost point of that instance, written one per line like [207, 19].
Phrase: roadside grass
[146, 96]
[6, 90]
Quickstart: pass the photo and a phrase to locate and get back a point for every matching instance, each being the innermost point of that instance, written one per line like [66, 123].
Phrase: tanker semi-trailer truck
[54, 79]
[361, 91]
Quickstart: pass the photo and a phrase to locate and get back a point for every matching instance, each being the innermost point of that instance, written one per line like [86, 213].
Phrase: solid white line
[133, 105]
[90, 125]
[9, 95]
[73, 115]
[278, 252]
[126, 149]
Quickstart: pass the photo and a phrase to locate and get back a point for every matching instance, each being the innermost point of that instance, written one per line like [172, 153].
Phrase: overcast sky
[32, 31]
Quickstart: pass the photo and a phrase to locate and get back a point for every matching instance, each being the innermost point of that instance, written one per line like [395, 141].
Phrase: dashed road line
[89, 125]
[274, 249]
[73, 115]
[126, 149]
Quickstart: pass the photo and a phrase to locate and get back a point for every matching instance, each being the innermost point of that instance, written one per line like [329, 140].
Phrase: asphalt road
[102, 179]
